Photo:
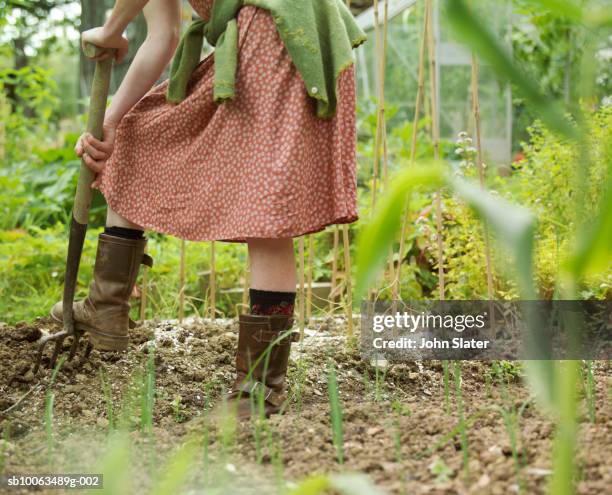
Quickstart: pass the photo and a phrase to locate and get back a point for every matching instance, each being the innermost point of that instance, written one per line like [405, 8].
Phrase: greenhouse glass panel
[453, 73]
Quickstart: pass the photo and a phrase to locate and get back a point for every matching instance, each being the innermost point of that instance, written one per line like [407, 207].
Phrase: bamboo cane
[377, 136]
[413, 145]
[380, 139]
[385, 151]
[348, 281]
[245, 288]
[213, 281]
[480, 166]
[310, 277]
[3, 118]
[383, 75]
[435, 128]
[334, 275]
[181, 312]
[301, 291]
[481, 175]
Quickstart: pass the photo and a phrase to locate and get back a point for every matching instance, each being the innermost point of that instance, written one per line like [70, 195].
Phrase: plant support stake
[81, 207]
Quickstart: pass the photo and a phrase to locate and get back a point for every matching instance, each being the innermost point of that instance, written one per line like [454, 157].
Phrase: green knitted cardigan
[319, 36]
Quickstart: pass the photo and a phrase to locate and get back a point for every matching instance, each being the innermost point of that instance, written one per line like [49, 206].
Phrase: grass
[108, 398]
[276, 457]
[335, 411]
[446, 380]
[259, 429]
[462, 424]
[147, 398]
[589, 388]
[4, 449]
[298, 381]
[511, 417]
[379, 382]
[399, 410]
[177, 409]
[49, 401]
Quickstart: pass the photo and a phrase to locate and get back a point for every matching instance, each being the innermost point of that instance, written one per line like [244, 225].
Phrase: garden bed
[399, 426]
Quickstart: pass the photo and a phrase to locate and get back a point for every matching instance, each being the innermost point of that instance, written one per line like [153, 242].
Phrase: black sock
[124, 233]
[266, 302]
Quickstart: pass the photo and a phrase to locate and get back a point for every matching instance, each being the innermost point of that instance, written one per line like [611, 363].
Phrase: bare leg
[113, 219]
[272, 264]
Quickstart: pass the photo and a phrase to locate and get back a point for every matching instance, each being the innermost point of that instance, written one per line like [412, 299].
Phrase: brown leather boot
[105, 313]
[266, 380]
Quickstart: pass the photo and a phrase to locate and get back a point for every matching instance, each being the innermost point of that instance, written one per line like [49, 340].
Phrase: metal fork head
[58, 339]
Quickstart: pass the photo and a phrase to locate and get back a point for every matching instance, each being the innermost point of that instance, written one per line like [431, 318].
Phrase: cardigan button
[314, 90]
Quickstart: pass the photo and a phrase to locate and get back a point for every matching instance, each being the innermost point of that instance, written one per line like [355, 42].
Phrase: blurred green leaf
[379, 234]
[311, 486]
[115, 465]
[561, 8]
[354, 484]
[594, 249]
[344, 483]
[513, 225]
[593, 16]
[176, 470]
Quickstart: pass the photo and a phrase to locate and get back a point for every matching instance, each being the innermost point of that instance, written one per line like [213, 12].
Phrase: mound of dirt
[398, 428]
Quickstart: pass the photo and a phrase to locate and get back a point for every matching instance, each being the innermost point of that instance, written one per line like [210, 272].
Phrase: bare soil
[397, 427]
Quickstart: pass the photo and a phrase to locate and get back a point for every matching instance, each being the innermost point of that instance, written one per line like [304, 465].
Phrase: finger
[95, 153]
[96, 183]
[105, 146]
[103, 56]
[93, 150]
[94, 165]
[79, 147]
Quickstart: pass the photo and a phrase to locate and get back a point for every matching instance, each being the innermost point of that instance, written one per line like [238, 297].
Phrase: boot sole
[100, 340]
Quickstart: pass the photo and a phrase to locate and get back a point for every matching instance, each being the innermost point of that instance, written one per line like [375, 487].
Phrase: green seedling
[462, 423]
[298, 379]
[4, 448]
[589, 389]
[147, 398]
[49, 401]
[511, 417]
[446, 379]
[441, 471]
[335, 411]
[177, 409]
[108, 399]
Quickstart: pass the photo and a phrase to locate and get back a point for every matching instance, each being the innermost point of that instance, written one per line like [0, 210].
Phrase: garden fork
[80, 211]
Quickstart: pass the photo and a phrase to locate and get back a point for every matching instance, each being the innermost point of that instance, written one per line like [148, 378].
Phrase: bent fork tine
[58, 339]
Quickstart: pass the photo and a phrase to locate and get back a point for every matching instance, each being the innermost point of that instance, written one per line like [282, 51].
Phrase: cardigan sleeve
[226, 61]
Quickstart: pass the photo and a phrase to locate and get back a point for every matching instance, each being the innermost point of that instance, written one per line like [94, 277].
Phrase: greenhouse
[452, 73]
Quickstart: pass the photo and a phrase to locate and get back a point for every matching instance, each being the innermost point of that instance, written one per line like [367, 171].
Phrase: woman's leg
[272, 264]
[273, 276]
[272, 294]
[104, 314]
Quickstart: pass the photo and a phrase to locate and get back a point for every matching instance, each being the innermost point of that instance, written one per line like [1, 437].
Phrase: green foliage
[441, 471]
[40, 190]
[33, 98]
[547, 182]
[32, 263]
